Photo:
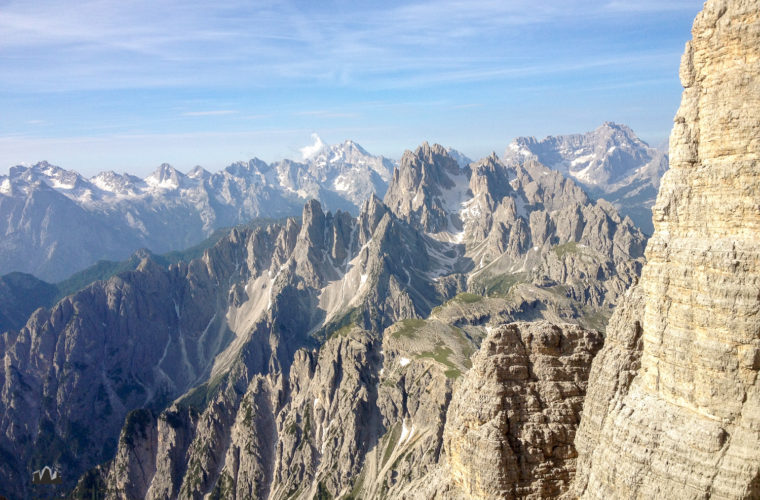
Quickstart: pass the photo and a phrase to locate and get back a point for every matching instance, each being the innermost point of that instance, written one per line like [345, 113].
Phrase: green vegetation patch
[225, 487]
[566, 248]
[409, 328]
[467, 348]
[136, 425]
[441, 355]
[496, 285]
[343, 331]
[468, 298]
[356, 490]
[322, 492]
[342, 325]
[393, 437]
[200, 396]
[596, 319]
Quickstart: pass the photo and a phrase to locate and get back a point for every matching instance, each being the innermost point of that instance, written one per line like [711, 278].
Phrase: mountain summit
[610, 162]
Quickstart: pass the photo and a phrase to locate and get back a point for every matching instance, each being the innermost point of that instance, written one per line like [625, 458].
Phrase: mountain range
[57, 222]
[488, 329]
[293, 350]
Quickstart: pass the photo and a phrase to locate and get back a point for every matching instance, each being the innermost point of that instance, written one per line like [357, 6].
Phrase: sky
[99, 85]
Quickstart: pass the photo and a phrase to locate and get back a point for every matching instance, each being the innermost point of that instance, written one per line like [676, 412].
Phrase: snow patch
[470, 209]
[406, 433]
[454, 198]
[342, 183]
[404, 361]
[5, 186]
[586, 175]
[519, 150]
[55, 183]
[166, 184]
[581, 159]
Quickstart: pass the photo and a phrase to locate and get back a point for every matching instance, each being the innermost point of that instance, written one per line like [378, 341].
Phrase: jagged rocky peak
[673, 407]
[113, 182]
[426, 186]
[110, 215]
[46, 174]
[371, 214]
[313, 224]
[492, 180]
[199, 172]
[165, 176]
[245, 168]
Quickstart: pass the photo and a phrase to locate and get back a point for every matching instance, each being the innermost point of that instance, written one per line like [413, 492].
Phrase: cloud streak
[141, 44]
[417, 69]
[215, 112]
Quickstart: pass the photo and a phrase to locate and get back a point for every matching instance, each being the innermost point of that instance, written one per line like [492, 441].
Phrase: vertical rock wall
[673, 408]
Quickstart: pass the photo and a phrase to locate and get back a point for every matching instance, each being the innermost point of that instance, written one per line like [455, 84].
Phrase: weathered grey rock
[239, 344]
[416, 191]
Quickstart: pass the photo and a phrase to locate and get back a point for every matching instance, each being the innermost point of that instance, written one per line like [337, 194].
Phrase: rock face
[673, 409]
[517, 223]
[511, 424]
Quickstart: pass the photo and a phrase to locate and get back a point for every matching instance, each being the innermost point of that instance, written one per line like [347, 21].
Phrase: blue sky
[114, 85]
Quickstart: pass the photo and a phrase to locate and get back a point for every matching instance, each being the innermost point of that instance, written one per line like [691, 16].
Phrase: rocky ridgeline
[56, 222]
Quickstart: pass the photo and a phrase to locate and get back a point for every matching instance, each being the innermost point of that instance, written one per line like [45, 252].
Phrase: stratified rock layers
[511, 424]
[673, 405]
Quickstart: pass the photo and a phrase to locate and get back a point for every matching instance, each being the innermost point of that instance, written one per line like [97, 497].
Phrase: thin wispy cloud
[162, 65]
[648, 6]
[214, 112]
[100, 44]
[326, 114]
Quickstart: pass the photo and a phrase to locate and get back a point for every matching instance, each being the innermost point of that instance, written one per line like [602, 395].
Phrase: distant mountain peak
[165, 177]
[198, 172]
[610, 161]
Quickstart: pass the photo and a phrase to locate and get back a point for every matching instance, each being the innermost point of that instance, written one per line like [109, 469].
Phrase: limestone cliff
[673, 409]
[511, 424]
